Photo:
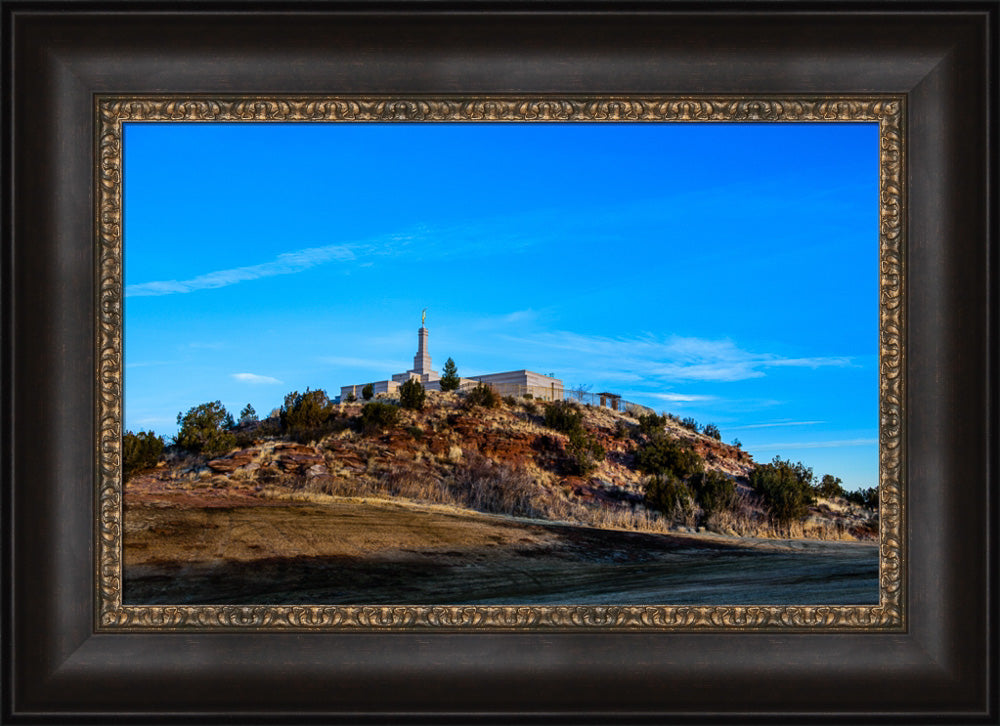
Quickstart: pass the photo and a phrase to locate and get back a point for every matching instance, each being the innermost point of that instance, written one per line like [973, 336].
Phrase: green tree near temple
[450, 380]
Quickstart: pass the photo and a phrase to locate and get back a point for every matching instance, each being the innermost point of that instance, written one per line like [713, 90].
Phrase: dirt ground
[233, 549]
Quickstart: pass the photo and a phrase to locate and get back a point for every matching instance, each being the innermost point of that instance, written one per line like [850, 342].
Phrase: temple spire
[422, 360]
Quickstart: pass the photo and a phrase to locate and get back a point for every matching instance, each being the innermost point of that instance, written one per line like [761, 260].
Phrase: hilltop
[557, 462]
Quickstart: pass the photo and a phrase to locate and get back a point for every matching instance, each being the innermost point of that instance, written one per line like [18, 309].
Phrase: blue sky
[726, 272]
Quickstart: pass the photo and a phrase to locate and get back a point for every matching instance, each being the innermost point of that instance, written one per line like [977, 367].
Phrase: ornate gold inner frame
[112, 112]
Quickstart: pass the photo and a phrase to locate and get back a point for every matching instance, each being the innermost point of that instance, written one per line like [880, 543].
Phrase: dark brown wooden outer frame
[113, 112]
[59, 56]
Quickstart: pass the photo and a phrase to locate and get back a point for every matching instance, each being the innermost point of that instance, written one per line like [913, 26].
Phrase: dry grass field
[233, 548]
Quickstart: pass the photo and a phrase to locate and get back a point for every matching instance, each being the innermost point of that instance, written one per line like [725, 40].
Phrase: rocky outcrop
[297, 459]
[244, 460]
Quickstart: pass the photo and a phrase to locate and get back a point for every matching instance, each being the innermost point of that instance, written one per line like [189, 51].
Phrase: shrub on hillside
[690, 424]
[786, 489]
[563, 416]
[378, 416]
[140, 451]
[248, 416]
[449, 379]
[244, 436]
[651, 423]
[667, 494]
[368, 391]
[306, 412]
[482, 395]
[863, 497]
[412, 394]
[665, 455]
[205, 429]
[830, 487]
[584, 450]
[713, 431]
[714, 491]
[268, 428]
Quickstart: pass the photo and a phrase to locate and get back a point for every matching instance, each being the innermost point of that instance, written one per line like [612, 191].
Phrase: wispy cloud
[593, 375]
[680, 397]
[722, 360]
[284, 264]
[840, 361]
[675, 358]
[465, 239]
[817, 444]
[255, 379]
[777, 423]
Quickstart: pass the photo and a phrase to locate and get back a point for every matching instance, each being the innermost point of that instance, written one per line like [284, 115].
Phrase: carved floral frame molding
[111, 112]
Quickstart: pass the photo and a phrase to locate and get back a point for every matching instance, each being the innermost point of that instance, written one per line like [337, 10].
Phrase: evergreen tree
[666, 455]
[786, 488]
[140, 451]
[368, 391]
[714, 491]
[669, 495]
[450, 380]
[830, 486]
[248, 415]
[304, 411]
[205, 429]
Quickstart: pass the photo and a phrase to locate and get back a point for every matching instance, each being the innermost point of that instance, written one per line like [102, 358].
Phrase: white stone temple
[421, 364]
[509, 383]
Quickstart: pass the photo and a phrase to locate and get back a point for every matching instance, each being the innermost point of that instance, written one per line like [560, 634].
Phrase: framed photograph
[483, 500]
[640, 271]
